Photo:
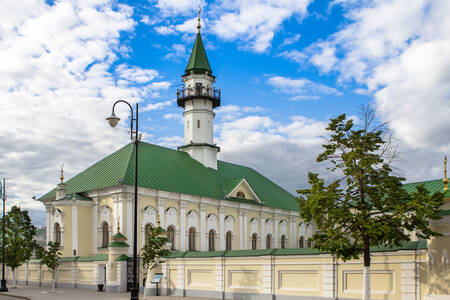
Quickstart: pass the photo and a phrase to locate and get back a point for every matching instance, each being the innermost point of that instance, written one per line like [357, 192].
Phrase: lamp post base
[3, 287]
[134, 294]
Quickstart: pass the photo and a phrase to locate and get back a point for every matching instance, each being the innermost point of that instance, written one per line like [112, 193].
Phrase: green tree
[19, 243]
[50, 257]
[367, 206]
[154, 248]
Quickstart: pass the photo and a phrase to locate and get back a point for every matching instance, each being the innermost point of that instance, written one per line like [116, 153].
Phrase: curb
[15, 296]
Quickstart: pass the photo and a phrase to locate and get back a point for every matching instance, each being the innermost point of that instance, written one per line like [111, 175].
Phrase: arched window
[105, 235]
[171, 236]
[148, 229]
[254, 241]
[301, 242]
[57, 230]
[269, 241]
[283, 241]
[240, 194]
[192, 239]
[309, 242]
[228, 240]
[212, 239]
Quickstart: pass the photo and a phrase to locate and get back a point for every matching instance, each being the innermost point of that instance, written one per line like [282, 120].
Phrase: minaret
[199, 98]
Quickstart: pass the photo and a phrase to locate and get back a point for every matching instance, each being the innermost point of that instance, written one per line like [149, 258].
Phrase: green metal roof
[119, 237]
[431, 185]
[97, 257]
[171, 170]
[198, 62]
[123, 257]
[118, 244]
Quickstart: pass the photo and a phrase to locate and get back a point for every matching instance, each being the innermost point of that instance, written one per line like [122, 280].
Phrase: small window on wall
[254, 241]
[105, 235]
[192, 239]
[240, 194]
[310, 243]
[268, 241]
[228, 238]
[212, 239]
[198, 123]
[283, 241]
[171, 236]
[187, 125]
[301, 242]
[57, 229]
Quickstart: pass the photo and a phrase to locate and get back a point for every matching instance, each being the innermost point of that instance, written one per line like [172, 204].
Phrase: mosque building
[204, 204]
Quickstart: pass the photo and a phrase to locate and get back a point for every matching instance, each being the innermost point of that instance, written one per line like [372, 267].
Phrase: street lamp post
[113, 120]
[3, 287]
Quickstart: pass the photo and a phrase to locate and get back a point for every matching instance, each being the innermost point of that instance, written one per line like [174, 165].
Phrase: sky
[285, 67]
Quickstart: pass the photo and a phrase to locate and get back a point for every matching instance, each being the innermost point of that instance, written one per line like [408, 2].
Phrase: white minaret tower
[199, 98]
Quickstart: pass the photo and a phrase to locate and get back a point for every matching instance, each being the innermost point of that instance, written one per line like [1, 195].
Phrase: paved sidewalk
[34, 293]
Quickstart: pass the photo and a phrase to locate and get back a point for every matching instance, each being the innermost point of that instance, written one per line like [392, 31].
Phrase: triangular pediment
[243, 190]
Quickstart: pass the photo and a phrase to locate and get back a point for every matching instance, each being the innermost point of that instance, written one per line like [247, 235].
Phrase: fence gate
[130, 272]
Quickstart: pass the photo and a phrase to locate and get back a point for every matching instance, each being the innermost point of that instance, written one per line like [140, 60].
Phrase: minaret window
[105, 235]
[187, 125]
[198, 123]
[198, 89]
[57, 230]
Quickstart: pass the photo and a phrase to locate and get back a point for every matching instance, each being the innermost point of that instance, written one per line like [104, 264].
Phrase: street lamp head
[113, 120]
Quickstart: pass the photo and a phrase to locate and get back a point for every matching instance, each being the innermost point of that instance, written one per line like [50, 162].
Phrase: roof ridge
[423, 181]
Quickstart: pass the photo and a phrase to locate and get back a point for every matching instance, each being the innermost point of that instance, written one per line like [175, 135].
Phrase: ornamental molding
[171, 216]
[211, 222]
[104, 215]
[149, 217]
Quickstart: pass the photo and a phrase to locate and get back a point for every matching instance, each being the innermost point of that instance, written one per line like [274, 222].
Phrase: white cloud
[231, 112]
[294, 55]
[57, 89]
[177, 52]
[290, 40]
[176, 117]
[301, 88]
[254, 23]
[400, 51]
[165, 30]
[156, 106]
[179, 7]
[171, 141]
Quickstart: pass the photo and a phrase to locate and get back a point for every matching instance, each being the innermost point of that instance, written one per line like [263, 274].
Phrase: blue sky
[285, 67]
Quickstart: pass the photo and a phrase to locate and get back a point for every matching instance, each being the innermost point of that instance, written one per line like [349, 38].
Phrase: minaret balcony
[186, 94]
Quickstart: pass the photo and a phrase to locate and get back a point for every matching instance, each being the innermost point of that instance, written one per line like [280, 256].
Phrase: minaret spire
[445, 174]
[62, 173]
[198, 24]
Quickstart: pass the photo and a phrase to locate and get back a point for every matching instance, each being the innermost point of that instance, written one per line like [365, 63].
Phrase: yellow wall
[84, 231]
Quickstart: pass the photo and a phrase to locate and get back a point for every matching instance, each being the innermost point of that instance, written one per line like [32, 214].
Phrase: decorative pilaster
[263, 231]
[221, 228]
[74, 230]
[182, 226]
[241, 230]
[94, 225]
[203, 227]
[245, 223]
[161, 213]
[293, 233]
[48, 230]
[276, 230]
[115, 209]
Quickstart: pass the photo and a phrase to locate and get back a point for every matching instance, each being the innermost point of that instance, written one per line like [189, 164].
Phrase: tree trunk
[366, 274]
[53, 280]
[14, 278]
[145, 272]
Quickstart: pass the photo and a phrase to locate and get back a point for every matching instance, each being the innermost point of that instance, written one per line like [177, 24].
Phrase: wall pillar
[182, 226]
[48, 230]
[94, 225]
[203, 227]
[276, 230]
[245, 223]
[162, 215]
[241, 231]
[263, 231]
[221, 228]
[75, 230]
[293, 233]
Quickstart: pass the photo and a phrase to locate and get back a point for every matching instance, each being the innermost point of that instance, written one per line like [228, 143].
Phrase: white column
[203, 227]
[75, 229]
[115, 214]
[263, 231]
[182, 226]
[292, 238]
[129, 221]
[241, 230]
[162, 216]
[221, 229]
[48, 234]
[245, 223]
[276, 230]
[94, 225]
